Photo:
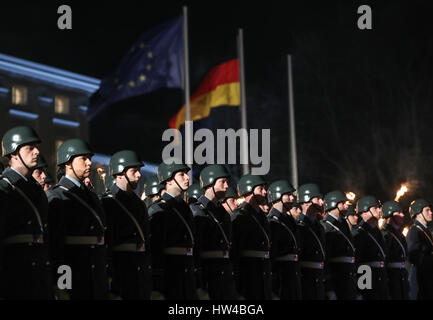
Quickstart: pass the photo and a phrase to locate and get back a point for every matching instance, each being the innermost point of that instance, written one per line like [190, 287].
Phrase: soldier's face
[29, 153]
[343, 208]
[221, 185]
[287, 198]
[40, 176]
[428, 214]
[260, 194]
[353, 219]
[317, 203]
[295, 212]
[182, 179]
[134, 176]
[376, 212]
[398, 218]
[232, 203]
[82, 166]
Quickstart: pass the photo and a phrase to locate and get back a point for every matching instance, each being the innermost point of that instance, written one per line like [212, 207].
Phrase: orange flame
[381, 223]
[405, 231]
[101, 173]
[240, 201]
[401, 192]
[350, 195]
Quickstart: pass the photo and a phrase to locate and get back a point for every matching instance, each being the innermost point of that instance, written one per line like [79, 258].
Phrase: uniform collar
[333, 217]
[78, 184]
[20, 174]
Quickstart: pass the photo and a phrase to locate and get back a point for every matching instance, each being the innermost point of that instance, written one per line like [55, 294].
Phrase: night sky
[363, 97]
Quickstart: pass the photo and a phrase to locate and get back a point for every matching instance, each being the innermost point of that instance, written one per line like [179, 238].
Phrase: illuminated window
[61, 105]
[19, 95]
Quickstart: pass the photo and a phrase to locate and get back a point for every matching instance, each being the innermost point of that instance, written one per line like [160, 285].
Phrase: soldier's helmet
[230, 193]
[333, 198]
[193, 192]
[42, 164]
[109, 182]
[72, 148]
[123, 160]
[417, 206]
[248, 182]
[364, 204]
[152, 186]
[167, 171]
[389, 208]
[279, 188]
[351, 210]
[308, 191]
[17, 137]
[212, 173]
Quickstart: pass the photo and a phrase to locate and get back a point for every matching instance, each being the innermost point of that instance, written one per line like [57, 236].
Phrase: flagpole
[244, 146]
[292, 134]
[188, 123]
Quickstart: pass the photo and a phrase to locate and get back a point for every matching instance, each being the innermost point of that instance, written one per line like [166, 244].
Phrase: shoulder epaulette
[197, 209]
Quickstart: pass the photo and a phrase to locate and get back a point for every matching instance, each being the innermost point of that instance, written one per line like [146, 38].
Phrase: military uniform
[340, 258]
[396, 263]
[285, 255]
[312, 256]
[371, 250]
[172, 242]
[213, 242]
[24, 259]
[128, 241]
[420, 251]
[250, 253]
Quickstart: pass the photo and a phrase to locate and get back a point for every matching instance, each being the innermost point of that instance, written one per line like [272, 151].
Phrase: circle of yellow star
[131, 83]
[142, 78]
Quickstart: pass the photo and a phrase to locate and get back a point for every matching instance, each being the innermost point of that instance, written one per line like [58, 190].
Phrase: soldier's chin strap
[76, 176]
[288, 208]
[231, 210]
[182, 189]
[129, 181]
[22, 161]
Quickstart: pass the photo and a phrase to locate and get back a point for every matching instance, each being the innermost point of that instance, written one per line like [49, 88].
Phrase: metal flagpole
[244, 146]
[292, 125]
[188, 122]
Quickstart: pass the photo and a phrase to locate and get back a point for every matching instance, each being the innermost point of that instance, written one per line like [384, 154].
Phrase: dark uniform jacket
[420, 248]
[312, 258]
[285, 255]
[172, 240]
[340, 258]
[396, 263]
[128, 244]
[25, 270]
[250, 253]
[213, 243]
[77, 238]
[368, 252]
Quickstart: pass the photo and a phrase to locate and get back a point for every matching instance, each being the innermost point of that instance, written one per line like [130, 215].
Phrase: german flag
[220, 87]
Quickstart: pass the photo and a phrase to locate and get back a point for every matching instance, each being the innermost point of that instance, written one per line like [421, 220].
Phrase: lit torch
[401, 192]
[101, 173]
[350, 195]
[405, 231]
[240, 201]
[381, 222]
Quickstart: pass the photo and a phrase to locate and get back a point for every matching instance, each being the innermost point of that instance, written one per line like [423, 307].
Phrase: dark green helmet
[152, 186]
[109, 181]
[389, 208]
[194, 191]
[351, 210]
[248, 182]
[279, 188]
[417, 206]
[72, 148]
[41, 163]
[333, 198]
[308, 191]
[17, 137]
[212, 173]
[49, 179]
[167, 171]
[364, 204]
[122, 160]
[230, 193]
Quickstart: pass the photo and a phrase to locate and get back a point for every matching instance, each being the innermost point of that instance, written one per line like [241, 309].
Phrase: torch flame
[350, 195]
[381, 223]
[240, 201]
[401, 192]
[405, 231]
[101, 173]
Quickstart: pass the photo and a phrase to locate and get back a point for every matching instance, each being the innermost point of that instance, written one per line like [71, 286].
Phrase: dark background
[363, 98]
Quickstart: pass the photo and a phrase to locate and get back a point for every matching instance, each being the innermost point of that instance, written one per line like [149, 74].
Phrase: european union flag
[154, 61]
